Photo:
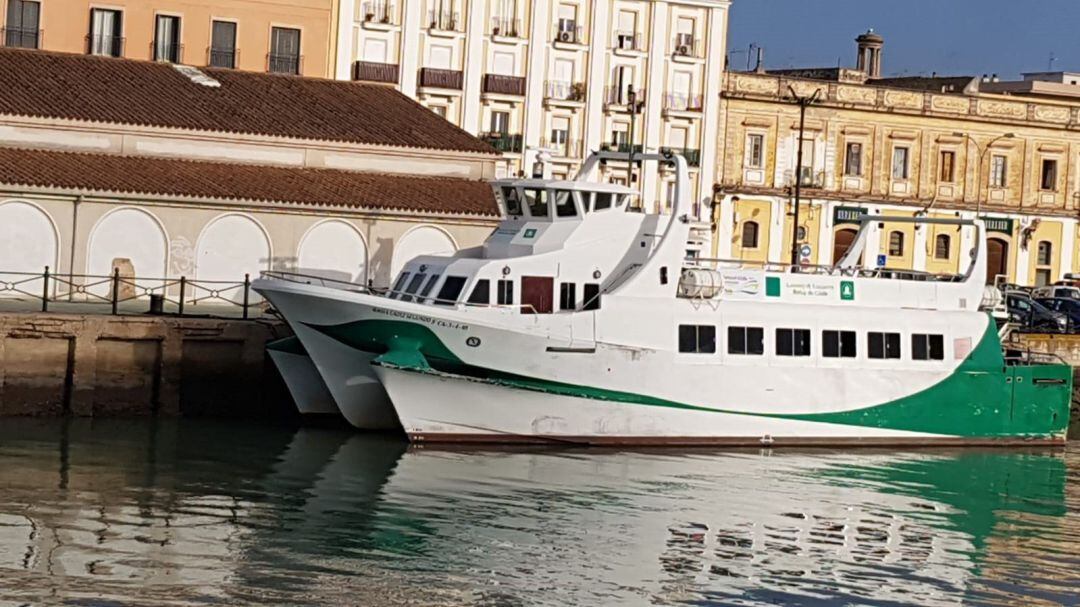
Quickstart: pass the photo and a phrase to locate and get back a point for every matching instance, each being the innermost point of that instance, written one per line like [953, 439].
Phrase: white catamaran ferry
[581, 321]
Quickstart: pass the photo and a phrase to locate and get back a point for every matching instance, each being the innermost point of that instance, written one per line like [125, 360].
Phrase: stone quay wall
[89, 365]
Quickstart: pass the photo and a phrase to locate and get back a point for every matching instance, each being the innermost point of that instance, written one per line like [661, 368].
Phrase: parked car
[1064, 305]
[1058, 290]
[1032, 315]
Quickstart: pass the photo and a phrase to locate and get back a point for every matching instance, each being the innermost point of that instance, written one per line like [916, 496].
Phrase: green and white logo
[529, 233]
[847, 290]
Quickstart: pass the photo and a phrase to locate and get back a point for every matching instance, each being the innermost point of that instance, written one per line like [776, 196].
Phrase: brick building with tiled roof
[168, 171]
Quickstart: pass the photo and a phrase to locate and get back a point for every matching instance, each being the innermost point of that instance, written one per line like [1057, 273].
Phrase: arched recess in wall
[133, 241]
[229, 247]
[28, 243]
[333, 249]
[421, 240]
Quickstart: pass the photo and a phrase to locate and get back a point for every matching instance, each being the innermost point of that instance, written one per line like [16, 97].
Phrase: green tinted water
[138, 513]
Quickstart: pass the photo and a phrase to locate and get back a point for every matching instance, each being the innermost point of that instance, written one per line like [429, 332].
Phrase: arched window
[942, 246]
[1046, 253]
[896, 244]
[750, 235]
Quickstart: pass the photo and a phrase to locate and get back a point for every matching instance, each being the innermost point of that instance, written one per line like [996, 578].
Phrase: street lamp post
[978, 167]
[634, 108]
[803, 102]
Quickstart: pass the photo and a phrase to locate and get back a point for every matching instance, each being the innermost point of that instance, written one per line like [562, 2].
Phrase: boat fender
[767, 440]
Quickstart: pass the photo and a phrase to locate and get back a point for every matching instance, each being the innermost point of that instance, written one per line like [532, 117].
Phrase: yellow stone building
[902, 146]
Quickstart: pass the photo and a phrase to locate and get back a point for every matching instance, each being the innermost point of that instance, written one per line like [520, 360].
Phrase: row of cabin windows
[536, 202]
[750, 341]
[418, 287]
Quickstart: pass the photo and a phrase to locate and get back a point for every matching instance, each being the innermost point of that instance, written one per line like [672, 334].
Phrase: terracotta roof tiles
[107, 173]
[104, 89]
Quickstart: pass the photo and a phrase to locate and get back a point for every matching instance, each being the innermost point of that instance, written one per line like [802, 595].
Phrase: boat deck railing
[322, 281]
[711, 263]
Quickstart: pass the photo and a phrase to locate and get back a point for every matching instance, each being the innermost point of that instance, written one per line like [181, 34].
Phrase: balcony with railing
[557, 90]
[567, 148]
[503, 142]
[283, 63]
[619, 96]
[692, 156]
[809, 178]
[379, 13]
[568, 31]
[109, 46]
[370, 71]
[444, 21]
[441, 78]
[499, 84]
[506, 28]
[683, 102]
[222, 57]
[629, 41]
[169, 52]
[622, 147]
[20, 37]
[685, 45]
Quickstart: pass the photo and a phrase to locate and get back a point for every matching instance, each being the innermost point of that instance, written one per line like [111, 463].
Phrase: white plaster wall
[229, 247]
[423, 240]
[133, 234]
[28, 243]
[333, 249]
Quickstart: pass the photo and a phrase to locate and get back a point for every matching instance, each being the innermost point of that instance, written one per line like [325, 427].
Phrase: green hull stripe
[982, 398]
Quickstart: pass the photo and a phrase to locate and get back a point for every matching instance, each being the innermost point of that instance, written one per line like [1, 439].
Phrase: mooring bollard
[115, 289]
[45, 291]
[183, 284]
[247, 287]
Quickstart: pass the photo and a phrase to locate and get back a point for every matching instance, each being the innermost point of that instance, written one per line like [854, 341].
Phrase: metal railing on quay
[114, 290]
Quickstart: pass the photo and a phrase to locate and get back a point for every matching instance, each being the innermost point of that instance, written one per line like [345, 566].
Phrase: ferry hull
[442, 408]
[305, 385]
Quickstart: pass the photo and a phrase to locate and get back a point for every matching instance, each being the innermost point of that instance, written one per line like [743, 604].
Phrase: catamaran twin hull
[452, 377]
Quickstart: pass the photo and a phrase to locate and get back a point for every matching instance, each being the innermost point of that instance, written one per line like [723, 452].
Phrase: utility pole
[635, 108]
[803, 102]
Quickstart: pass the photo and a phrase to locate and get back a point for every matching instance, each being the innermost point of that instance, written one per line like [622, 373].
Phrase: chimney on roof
[985, 78]
[994, 78]
[760, 66]
[868, 60]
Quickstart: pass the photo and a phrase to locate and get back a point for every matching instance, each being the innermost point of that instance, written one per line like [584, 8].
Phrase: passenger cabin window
[699, 339]
[838, 344]
[414, 286]
[481, 293]
[746, 340]
[505, 292]
[451, 289]
[602, 201]
[399, 284]
[793, 342]
[883, 345]
[512, 200]
[591, 296]
[567, 296]
[927, 347]
[538, 203]
[564, 204]
[428, 287]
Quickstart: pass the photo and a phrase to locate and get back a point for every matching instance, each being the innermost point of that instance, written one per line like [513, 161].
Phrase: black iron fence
[113, 290]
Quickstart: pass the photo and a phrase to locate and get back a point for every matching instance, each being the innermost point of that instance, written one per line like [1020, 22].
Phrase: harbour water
[198, 512]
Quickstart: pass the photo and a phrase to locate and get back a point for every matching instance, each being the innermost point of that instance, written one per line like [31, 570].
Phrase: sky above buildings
[950, 37]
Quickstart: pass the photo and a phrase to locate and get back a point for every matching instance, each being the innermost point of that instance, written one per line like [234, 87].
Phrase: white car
[1056, 291]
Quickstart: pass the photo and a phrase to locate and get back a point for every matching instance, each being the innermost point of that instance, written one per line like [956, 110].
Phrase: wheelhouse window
[942, 246]
[883, 345]
[167, 39]
[591, 296]
[284, 51]
[428, 286]
[413, 286]
[750, 235]
[223, 44]
[450, 291]
[537, 201]
[602, 201]
[399, 284]
[697, 339]
[105, 32]
[927, 347]
[504, 292]
[564, 204]
[567, 296]
[838, 344]
[481, 293]
[23, 26]
[512, 200]
[746, 340]
[793, 342]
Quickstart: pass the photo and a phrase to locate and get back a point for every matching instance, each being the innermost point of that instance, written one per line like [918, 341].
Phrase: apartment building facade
[254, 35]
[555, 79]
[934, 147]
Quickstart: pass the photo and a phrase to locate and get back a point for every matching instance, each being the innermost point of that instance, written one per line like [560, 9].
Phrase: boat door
[537, 293]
